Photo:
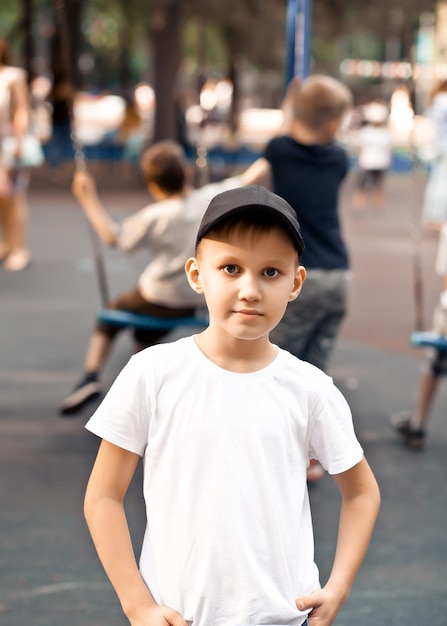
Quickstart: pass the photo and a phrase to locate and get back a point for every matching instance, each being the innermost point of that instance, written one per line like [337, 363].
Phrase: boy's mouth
[249, 312]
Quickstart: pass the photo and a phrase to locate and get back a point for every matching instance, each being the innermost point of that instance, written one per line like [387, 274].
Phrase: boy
[307, 168]
[166, 229]
[226, 423]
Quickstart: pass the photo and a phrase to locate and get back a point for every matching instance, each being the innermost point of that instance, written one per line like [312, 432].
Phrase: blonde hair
[321, 99]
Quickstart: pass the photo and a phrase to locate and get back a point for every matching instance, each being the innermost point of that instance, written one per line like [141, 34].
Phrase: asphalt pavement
[49, 572]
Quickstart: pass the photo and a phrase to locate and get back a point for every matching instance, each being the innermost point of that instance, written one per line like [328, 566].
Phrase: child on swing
[166, 228]
[226, 422]
[411, 426]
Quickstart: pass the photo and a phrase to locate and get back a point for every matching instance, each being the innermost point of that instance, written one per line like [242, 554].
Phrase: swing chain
[80, 160]
[416, 236]
[64, 38]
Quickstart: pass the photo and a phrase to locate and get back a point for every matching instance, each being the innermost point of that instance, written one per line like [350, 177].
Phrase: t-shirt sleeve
[135, 229]
[333, 441]
[123, 417]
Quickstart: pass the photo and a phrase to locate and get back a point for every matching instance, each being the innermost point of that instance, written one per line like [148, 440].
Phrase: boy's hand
[324, 606]
[83, 186]
[155, 615]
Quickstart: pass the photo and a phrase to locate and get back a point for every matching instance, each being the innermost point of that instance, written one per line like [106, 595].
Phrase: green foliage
[214, 45]
[10, 13]
[105, 20]
[101, 27]
[366, 46]
[324, 51]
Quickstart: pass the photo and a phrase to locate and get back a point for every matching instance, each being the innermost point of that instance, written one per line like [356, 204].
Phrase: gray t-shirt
[167, 231]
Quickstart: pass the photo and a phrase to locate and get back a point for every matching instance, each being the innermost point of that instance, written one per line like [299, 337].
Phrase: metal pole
[298, 39]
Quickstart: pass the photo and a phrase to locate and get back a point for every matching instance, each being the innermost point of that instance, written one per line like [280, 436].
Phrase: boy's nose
[249, 288]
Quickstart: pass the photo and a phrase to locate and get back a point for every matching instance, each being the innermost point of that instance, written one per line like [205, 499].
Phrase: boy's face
[247, 279]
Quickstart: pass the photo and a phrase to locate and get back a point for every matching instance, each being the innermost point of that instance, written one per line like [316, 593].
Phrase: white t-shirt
[167, 230]
[229, 535]
[375, 148]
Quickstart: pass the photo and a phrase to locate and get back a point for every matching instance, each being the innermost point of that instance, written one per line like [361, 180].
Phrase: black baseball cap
[234, 201]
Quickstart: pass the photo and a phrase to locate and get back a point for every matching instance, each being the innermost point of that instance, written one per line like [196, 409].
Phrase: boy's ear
[193, 274]
[156, 192]
[333, 126]
[300, 277]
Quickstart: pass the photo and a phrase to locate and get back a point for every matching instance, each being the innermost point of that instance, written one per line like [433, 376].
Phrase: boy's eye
[231, 269]
[271, 272]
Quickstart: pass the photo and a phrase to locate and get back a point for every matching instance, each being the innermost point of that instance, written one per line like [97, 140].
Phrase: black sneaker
[413, 438]
[85, 391]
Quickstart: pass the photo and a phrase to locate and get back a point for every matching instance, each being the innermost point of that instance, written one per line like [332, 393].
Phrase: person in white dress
[434, 211]
[14, 121]
[374, 157]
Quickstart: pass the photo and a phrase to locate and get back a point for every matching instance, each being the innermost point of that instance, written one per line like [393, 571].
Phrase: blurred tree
[28, 41]
[115, 43]
[67, 41]
[164, 33]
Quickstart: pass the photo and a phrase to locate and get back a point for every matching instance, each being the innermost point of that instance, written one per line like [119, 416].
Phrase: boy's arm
[359, 509]
[259, 173]
[84, 189]
[105, 515]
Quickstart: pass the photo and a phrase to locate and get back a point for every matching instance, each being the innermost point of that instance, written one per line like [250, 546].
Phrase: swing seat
[428, 339]
[125, 319]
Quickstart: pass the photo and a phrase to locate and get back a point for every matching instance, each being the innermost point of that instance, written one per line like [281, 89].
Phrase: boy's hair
[319, 100]
[164, 164]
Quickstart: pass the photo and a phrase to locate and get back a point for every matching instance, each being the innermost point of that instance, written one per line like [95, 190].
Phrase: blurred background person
[411, 425]
[375, 151]
[434, 211]
[14, 121]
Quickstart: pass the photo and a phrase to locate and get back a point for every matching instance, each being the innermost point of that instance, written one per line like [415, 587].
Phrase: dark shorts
[311, 323]
[370, 179]
[438, 363]
[133, 302]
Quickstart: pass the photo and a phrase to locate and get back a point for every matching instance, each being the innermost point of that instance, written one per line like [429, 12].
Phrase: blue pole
[298, 39]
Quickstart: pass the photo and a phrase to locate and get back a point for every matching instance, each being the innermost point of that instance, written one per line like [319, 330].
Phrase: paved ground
[49, 573]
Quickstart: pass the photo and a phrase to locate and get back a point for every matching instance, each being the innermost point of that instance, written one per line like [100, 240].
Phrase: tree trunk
[66, 43]
[64, 54]
[28, 47]
[125, 80]
[165, 40]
